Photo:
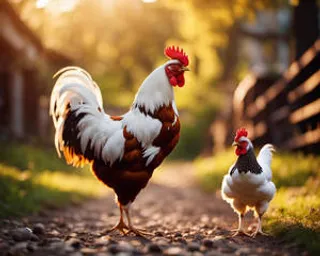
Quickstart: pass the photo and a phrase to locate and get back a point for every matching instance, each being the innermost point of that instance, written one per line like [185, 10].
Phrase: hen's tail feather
[265, 154]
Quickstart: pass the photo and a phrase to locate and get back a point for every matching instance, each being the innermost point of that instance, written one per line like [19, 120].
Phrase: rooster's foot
[139, 232]
[121, 226]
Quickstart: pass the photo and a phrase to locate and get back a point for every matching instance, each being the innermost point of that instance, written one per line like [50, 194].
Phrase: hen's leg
[260, 209]
[139, 232]
[121, 226]
[240, 229]
[241, 209]
[259, 228]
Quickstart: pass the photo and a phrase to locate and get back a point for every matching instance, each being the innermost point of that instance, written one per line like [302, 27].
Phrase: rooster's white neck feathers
[155, 91]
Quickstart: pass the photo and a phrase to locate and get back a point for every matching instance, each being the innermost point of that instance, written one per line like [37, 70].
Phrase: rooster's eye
[174, 67]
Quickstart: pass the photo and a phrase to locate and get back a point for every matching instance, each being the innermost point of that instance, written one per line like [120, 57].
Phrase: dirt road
[183, 220]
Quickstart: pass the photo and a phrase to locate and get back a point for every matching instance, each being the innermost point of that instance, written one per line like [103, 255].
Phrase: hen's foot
[260, 232]
[121, 226]
[239, 232]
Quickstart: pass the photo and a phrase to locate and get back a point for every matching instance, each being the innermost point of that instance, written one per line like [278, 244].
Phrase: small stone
[32, 247]
[161, 241]
[38, 229]
[215, 253]
[124, 254]
[197, 254]
[181, 240]
[21, 234]
[74, 242]
[54, 240]
[243, 251]
[89, 251]
[113, 248]
[4, 246]
[219, 242]
[154, 248]
[227, 249]
[103, 254]
[77, 254]
[177, 251]
[55, 233]
[207, 243]
[73, 235]
[34, 238]
[198, 237]
[158, 233]
[16, 223]
[19, 249]
[193, 247]
[57, 245]
[125, 247]
[177, 234]
[5, 221]
[121, 247]
[102, 242]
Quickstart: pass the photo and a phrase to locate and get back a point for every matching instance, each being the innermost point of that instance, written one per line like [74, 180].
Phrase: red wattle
[173, 81]
[240, 151]
[180, 79]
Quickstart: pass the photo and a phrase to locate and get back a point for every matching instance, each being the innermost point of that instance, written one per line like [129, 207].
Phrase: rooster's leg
[138, 232]
[240, 229]
[121, 226]
[259, 228]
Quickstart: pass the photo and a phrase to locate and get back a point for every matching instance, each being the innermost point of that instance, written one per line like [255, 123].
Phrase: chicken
[248, 183]
[123, 151]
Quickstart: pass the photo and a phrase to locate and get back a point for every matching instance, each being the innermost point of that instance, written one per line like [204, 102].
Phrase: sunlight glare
[42, 3]
[57, 6]
[149, 1]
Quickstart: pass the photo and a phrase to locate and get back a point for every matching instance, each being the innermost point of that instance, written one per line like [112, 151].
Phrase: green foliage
[294, 169]
[294, 213]
[194, 132]
[210, 171]
[190, 142]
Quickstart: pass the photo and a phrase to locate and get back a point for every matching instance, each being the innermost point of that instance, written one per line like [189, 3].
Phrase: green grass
[294, 213]
[32, 179]
[33, 157]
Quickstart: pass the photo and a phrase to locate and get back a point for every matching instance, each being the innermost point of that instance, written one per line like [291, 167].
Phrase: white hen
[248, 183]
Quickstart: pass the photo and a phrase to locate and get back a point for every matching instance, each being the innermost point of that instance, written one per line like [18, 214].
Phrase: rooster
[248, 183]
[123, 151]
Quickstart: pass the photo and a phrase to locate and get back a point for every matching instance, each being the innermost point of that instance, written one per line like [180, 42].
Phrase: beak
[234, 144]
[185, 69]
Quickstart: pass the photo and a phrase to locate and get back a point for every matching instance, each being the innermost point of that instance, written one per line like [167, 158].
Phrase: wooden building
[23, 62]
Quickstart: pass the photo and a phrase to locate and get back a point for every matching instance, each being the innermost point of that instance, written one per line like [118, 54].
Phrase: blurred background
[254, 64]
[245, 60]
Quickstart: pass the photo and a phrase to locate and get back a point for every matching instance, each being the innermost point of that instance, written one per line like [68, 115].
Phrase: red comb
[241, 132]
[178, 54]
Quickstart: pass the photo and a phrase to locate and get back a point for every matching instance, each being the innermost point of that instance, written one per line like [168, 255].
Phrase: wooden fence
[284, 111]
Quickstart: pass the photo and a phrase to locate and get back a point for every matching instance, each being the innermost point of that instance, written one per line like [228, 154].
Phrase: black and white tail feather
[80, 121]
